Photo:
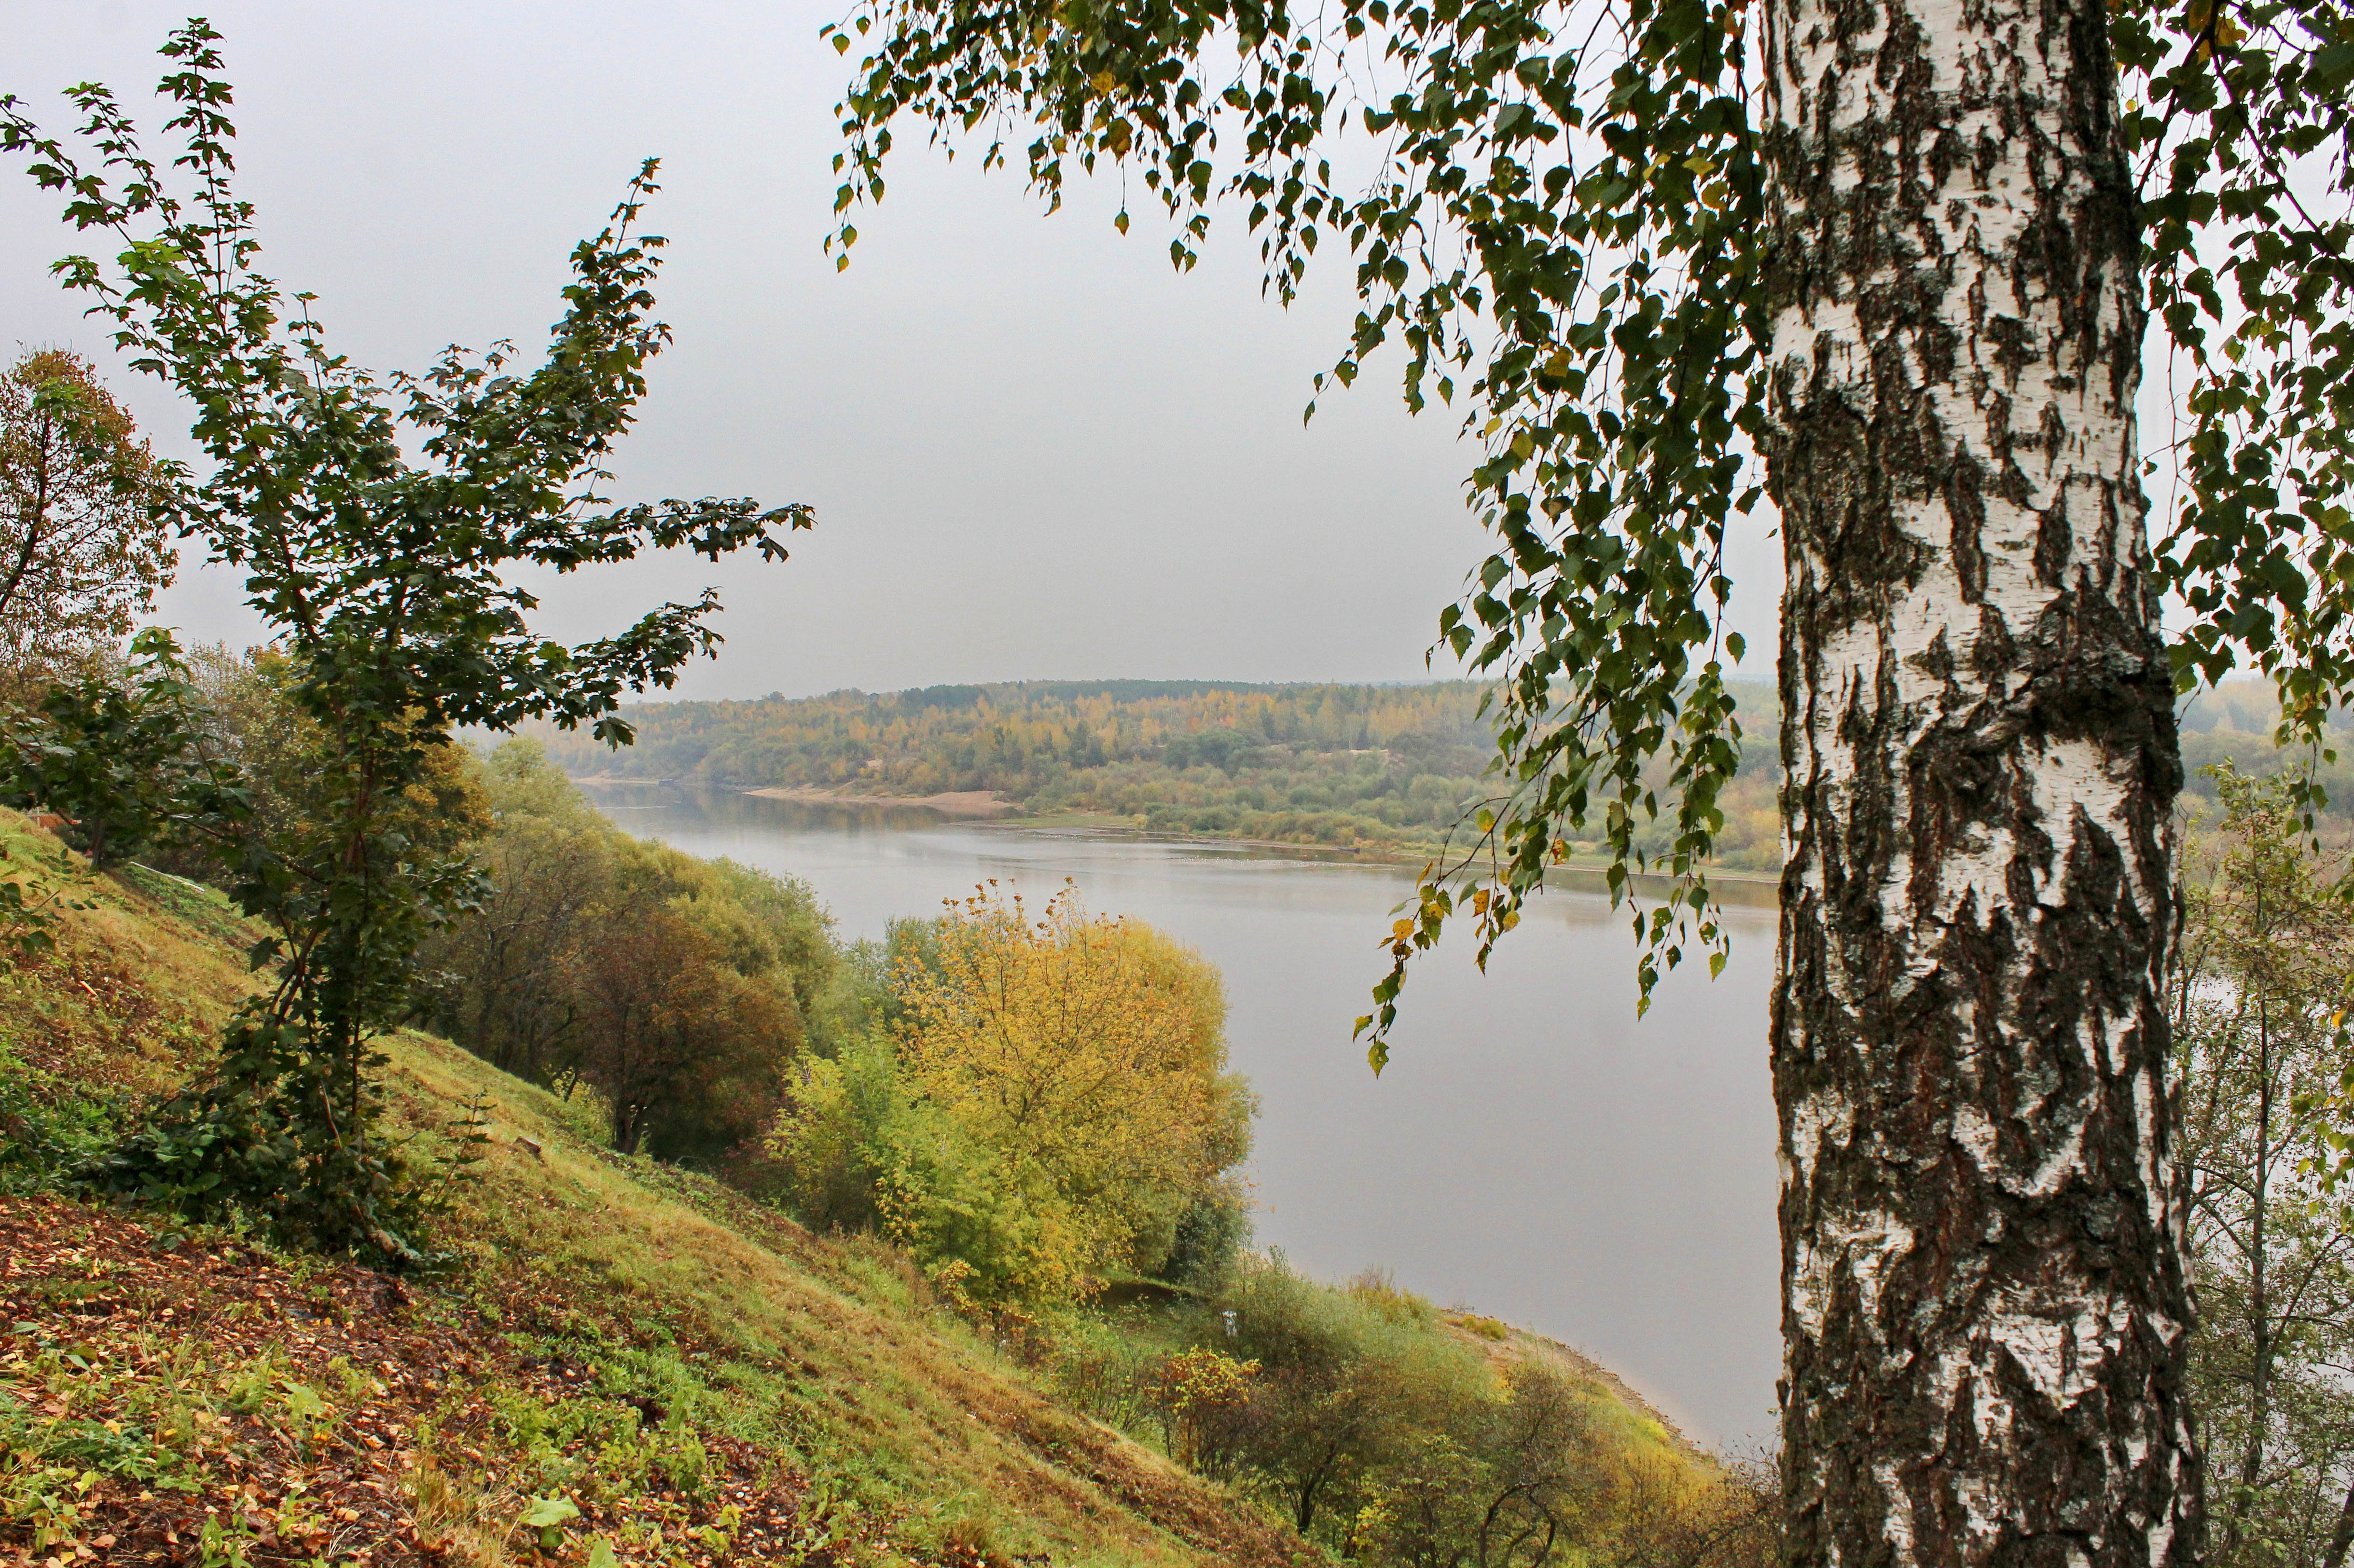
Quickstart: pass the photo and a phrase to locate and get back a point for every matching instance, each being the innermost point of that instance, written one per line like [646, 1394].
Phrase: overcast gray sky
[1034, 451]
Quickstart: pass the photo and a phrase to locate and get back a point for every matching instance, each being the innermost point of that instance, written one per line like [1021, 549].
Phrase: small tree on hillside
[380, 527]
[677, 1040]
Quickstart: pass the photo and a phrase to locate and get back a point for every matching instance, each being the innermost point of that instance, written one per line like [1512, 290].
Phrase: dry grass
[466, 1527]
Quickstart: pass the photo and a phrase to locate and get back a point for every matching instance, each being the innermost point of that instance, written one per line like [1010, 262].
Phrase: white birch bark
[1984, 1311]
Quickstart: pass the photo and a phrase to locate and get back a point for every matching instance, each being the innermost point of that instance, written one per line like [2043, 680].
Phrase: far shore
[1743, 887]
[952, 803]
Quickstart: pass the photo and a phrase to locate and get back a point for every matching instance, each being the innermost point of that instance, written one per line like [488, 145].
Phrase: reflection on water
[1532, 1149]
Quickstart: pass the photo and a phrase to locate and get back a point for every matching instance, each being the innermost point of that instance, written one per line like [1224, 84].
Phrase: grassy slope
[820, 1346]
[605, 1316]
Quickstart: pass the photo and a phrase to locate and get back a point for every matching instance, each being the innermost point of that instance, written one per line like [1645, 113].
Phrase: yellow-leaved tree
[1050, 1106]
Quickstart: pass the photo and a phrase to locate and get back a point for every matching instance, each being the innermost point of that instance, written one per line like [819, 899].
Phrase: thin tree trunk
[2260, 1325]
[1983, 1308]
[1305, 1514]
[2342, 1537]
[34, 519]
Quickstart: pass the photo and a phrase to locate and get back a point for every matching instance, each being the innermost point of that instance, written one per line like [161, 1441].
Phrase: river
[1533, 1151]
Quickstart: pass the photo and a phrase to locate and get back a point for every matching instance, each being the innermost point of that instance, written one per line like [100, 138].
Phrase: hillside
[621, 1362]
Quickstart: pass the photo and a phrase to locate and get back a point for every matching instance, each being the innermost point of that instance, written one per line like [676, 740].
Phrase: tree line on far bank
[1373, 767]
[1387, 767]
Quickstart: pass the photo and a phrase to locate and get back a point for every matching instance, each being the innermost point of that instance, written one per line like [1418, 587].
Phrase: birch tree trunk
[1983, 1301]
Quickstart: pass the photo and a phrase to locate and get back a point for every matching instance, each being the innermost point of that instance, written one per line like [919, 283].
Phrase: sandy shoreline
[952, 803]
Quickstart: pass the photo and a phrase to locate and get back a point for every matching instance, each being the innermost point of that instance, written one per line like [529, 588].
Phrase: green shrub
[1347, 1382]
[50, 1126]
[832, 1138]
[123, 765]
[1208, 1239]
[1104, 1368]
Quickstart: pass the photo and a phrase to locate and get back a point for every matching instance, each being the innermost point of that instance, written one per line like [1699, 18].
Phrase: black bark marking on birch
[1964, 504]
[1984, 1307]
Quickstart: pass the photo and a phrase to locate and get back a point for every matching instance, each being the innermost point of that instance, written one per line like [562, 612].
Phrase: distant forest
[1366, 766]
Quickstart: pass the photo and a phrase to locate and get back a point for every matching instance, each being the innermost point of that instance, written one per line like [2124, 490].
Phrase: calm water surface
[1531, 1151]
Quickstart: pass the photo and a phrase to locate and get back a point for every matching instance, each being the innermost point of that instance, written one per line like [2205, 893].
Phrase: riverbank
[984, 808]
[961, 803]
[1579, 873]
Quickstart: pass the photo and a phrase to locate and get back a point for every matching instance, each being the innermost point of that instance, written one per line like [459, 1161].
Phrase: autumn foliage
[1046, 1106]
[675, 992]
[84, 546]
